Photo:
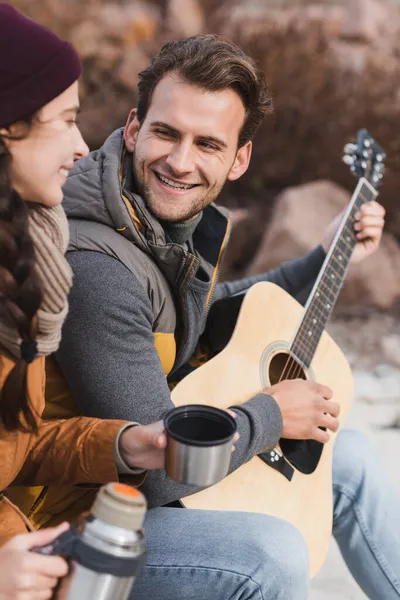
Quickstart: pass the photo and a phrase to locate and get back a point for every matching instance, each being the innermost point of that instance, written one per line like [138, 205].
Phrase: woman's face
[41, 160]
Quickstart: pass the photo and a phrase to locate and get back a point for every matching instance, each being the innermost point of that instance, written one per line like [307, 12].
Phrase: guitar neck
[326, 289]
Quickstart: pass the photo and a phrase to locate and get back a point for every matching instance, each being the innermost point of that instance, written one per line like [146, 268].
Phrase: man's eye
[208, 146]
[163, 132]
[72, 122]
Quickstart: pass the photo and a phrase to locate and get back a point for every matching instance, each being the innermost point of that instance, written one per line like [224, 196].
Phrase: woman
[39, 141]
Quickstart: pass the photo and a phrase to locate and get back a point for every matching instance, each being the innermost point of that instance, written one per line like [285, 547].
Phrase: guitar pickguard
[278, 363]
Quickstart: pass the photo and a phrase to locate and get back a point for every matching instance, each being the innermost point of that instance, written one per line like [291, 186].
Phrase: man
[146, 246]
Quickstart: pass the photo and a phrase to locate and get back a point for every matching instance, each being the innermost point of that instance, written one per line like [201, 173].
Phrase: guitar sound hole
[283, 366]
[304, 455]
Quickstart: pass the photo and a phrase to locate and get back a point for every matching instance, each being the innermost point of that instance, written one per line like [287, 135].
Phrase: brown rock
[298, 221]
[134, 61]
[86, 38]
[297, 225]
[375, 282]
[185, 17]
[132, 23]
[256, 19]
[330, 16]
[108, 55]
[325, 86]
[366, 20]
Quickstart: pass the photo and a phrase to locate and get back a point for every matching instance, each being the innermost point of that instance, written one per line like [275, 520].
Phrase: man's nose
[180, 159]
[81, 148]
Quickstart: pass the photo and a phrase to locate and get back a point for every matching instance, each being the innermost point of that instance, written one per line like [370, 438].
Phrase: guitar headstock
[365, 158]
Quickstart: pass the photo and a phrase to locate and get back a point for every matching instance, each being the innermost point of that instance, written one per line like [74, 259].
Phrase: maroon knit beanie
[35, 66]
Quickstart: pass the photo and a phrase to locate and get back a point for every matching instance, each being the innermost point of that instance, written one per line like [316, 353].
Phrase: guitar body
[265, 327]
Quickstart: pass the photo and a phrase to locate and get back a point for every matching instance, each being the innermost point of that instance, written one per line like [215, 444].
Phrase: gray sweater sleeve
[110, 362]
[296, 277]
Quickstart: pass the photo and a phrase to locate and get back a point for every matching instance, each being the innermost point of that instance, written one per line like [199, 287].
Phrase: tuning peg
[350, 149]
[376, 179]
[367, 143]
[380, 157]
[378, 172]
[349, 160]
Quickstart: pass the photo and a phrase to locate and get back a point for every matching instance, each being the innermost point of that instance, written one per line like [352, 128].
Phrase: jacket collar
[100, 188]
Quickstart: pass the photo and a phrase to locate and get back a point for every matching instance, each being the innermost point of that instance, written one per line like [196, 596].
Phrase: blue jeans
[206, 555]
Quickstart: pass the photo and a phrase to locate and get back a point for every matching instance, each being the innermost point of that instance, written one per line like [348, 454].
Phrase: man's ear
[241, 163]
[131, 130]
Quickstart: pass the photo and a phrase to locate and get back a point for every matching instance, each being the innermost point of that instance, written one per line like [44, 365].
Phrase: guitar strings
[292, 369]
[291, 362]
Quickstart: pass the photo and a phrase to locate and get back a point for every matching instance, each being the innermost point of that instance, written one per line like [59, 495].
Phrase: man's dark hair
[211, 63]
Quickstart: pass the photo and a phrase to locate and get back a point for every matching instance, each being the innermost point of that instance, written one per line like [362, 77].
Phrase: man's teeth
[174, 184]
[64, 172]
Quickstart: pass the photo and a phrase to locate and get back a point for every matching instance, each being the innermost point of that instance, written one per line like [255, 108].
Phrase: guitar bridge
[275, 459]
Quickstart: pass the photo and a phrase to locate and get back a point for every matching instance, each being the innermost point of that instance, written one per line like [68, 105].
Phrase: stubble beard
[196, 206]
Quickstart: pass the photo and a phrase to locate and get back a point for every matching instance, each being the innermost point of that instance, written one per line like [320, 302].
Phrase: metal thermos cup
[108, 551]
[199, 445]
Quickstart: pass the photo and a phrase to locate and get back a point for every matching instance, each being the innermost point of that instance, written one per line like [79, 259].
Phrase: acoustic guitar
[276, 338]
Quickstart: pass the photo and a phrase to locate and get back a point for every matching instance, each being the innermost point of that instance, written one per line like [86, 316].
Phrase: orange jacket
[66, 451]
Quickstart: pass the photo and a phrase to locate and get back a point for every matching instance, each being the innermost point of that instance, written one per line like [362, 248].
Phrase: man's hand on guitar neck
[368, 226]
[305, 406]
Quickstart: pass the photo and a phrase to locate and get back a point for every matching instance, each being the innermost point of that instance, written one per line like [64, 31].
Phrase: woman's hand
[143, 446]
[26, 575]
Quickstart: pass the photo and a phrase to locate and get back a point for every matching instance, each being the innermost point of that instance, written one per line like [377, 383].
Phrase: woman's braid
[19, 295]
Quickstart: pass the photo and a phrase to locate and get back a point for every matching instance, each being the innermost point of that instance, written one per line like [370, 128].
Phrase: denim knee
[282, 558]
[353, 459]
[218, 555]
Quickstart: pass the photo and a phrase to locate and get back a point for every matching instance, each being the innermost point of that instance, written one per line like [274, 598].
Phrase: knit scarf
[48, 228]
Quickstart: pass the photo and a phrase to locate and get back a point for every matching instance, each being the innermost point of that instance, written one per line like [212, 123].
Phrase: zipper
[181, 291]
[210, 297]
[182, 267]
[215, 278]
[186, 280]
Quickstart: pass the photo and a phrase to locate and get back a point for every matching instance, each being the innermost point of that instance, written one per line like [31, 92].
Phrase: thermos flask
[107, 551]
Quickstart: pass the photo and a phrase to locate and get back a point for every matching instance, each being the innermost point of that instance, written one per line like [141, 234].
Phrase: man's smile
[173, 184]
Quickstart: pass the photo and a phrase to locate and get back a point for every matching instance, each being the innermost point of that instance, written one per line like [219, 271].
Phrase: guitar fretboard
[330, 280]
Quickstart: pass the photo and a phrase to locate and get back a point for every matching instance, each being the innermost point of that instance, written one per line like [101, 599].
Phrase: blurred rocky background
[333, 67]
